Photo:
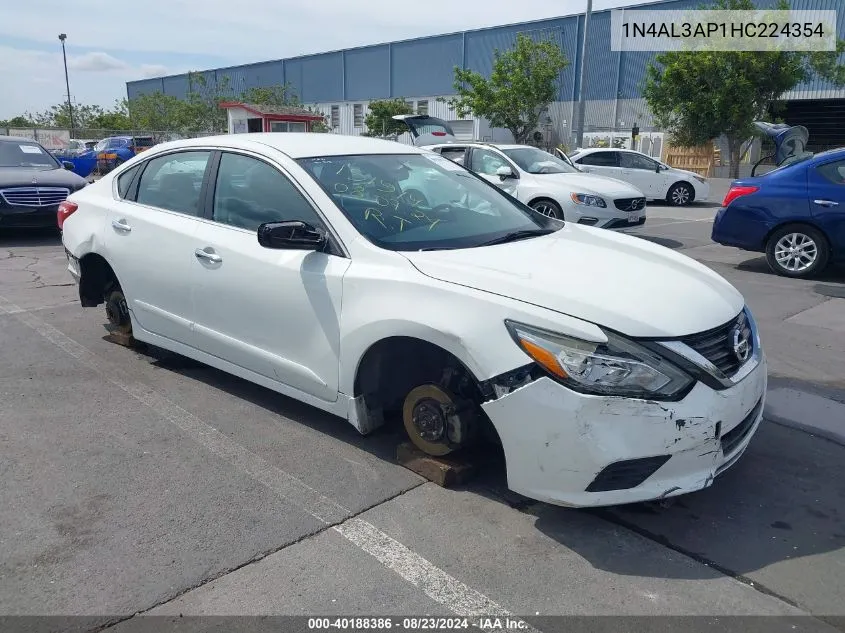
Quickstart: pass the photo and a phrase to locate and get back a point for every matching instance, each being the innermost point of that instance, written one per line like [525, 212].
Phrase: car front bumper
[28, 217]
[578, 450]
[605, 218]
[702, 190]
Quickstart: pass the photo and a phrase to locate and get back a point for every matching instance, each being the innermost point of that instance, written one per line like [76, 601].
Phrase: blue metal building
[341, 83]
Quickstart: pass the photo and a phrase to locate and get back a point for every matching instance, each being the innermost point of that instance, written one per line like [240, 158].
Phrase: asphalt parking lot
[144, 483]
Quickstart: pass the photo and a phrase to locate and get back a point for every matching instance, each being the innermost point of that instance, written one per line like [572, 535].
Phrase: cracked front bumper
[571, 449]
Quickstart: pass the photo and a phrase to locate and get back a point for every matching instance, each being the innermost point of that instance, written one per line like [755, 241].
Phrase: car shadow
[834, 273]
[382, 443]
[17, 238]
[741, 524]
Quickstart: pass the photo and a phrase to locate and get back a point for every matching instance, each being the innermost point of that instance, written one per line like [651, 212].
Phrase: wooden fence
[700, 160]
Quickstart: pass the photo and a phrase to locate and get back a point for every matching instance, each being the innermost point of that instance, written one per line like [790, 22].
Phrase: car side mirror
[504, 172]
[68, 165]
[659, 168]
[295, 234]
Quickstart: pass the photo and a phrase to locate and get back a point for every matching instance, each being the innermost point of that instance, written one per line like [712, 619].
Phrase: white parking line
[433, 581]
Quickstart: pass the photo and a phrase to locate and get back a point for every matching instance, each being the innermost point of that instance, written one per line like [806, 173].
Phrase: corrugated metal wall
[613, 79]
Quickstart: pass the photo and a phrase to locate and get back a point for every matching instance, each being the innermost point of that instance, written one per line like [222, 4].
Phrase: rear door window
[174, 181]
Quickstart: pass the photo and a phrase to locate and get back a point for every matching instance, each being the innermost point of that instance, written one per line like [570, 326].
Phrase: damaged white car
[610, 369]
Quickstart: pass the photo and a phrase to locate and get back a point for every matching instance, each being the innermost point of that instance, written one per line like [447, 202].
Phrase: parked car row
[608, 368]
[551, 185]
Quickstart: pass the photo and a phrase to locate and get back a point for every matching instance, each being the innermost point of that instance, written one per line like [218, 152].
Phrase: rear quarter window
[124, 181]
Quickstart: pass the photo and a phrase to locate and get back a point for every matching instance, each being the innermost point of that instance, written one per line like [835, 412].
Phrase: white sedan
[550, 185]
[610, 369]
[657, 180]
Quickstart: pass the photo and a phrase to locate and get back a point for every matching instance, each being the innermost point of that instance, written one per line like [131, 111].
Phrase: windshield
[109, 143]
[791, 162]
[26, 154]
[419, 201]
[536, 161]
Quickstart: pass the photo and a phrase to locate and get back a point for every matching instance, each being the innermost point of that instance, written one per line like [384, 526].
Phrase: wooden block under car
[121, 338]
[444, 471]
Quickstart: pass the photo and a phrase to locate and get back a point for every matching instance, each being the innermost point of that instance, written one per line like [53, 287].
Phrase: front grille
[630, 204]
[717, 345]
[34, 196]
[626, 474]
[734, 437]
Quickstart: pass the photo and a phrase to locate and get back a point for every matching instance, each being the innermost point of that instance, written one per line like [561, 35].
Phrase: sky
[111, 42]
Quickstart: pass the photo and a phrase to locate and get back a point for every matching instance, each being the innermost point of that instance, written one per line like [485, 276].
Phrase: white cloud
[95, 62]
[152, 70]
[235, 33]
[252, 30]
[34, 80]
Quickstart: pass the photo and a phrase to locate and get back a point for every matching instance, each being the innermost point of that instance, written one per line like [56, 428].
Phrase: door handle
[210, 257]
[121, 225]
[826, 203]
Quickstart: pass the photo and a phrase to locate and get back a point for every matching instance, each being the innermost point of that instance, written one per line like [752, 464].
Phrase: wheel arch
[97, 275]
[682, 181]
[543, 196]
[795, 223]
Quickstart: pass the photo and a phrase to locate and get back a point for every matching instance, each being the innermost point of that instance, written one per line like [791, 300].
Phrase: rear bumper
[73, 266]
[737, 229]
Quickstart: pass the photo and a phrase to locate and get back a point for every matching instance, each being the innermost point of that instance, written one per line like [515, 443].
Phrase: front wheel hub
[426, 416]
[429, 420]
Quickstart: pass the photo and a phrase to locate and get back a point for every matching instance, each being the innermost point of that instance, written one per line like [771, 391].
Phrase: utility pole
[582, 96]
[62, 38]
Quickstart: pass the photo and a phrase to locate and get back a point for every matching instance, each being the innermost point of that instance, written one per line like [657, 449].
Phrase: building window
[358, 115]
[422, 107]
[335, 116]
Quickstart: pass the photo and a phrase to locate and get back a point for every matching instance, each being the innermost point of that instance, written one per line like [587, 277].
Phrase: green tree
[379, 120]
[280, 95]
[204, 99]
[18, 121]
[699, 95]
[115, 119]
[157, 111]
[523, 83]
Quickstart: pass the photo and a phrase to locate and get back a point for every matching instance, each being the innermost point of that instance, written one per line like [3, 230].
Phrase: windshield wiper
[516, 235]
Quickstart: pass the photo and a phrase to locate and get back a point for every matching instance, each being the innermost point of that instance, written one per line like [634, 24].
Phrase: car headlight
[619, 367]
[587, 200]
[700, 179]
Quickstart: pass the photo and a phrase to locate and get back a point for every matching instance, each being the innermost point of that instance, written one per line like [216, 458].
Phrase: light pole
[582, 96]
[62, 38]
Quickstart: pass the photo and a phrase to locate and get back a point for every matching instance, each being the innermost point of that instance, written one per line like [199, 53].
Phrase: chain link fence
[58, 139]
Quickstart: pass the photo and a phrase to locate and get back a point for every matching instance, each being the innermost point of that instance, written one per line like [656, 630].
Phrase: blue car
[795, 214]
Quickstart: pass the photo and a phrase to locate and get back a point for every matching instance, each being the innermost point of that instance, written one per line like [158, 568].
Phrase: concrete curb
[806, 412]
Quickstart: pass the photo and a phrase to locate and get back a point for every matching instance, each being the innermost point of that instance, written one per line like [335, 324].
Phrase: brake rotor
[425, 419]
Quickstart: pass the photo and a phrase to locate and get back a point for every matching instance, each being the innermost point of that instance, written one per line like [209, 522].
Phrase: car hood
[23, 177]
[683, 172]
[591, 183]
[617, 281]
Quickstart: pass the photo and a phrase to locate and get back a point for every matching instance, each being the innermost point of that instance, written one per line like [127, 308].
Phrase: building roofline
[403, 41]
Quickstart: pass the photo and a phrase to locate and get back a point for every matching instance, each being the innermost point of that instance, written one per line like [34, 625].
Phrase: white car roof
[502, 146]
[299, 144]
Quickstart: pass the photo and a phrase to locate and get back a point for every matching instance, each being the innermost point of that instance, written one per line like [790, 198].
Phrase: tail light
[66, 208]
[737, 191]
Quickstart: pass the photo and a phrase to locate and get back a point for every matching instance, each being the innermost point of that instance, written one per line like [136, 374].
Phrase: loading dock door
[464, 130]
